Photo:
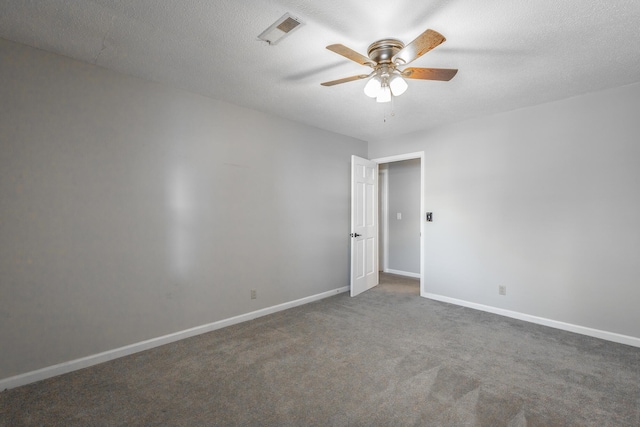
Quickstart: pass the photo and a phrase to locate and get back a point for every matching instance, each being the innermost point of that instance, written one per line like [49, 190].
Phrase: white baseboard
[401, 273]
[84, 362]
[597, 333]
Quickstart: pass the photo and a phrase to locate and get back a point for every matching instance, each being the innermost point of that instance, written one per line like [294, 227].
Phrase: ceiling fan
[385, 57]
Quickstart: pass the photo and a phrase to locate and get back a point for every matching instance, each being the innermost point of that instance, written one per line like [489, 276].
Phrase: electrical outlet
[254, 294]
[502, 290]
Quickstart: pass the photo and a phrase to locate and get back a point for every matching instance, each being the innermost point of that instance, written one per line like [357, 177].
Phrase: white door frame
[409, 156]
[383, 218]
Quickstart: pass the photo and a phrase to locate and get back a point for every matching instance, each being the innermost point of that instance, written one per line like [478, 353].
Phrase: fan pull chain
[392, 112]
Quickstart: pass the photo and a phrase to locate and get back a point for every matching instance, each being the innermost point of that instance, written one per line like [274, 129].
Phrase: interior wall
[542, 200]
[404, 232]
[131, 210]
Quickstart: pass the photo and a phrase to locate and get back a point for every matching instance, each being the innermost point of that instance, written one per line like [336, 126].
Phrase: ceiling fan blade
[443, 74]
[421, 45]
[345, 80]
[351, 54]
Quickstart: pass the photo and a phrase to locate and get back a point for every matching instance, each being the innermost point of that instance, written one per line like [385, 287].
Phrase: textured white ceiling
[510, 53]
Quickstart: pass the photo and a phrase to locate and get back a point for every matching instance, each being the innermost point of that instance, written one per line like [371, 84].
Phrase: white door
[364, 225]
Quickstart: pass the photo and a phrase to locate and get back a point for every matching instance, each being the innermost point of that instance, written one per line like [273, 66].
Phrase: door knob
[355, 235]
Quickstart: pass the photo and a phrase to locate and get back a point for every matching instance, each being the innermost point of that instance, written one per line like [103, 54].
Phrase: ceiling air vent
[283, 26]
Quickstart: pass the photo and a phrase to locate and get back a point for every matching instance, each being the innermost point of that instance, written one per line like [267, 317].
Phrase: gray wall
[542, 200]
[404, 198]
[130, 210]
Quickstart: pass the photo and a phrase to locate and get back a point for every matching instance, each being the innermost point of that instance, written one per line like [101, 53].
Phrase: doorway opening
[401, 217]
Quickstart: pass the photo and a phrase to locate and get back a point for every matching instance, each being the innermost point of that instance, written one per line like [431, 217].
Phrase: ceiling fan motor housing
[383, 50]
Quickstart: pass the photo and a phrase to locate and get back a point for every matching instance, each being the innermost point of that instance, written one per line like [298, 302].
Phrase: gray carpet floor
[385, 358]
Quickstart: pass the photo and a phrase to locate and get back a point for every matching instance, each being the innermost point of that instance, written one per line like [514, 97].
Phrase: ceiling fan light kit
[385, 56]
[385, 83]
